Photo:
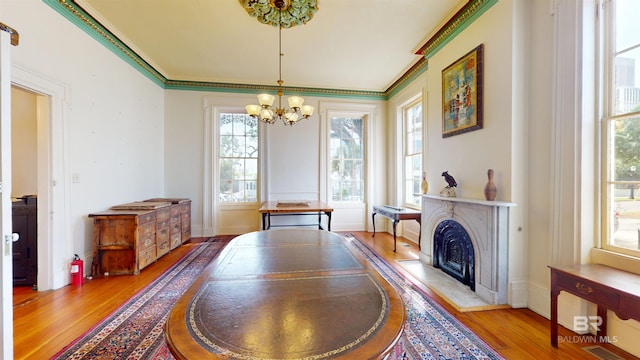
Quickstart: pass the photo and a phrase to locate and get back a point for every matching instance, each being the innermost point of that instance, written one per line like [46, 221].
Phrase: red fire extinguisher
[77, 270]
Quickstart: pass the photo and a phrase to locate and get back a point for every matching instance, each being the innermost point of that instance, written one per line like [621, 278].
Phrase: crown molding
[455, 25]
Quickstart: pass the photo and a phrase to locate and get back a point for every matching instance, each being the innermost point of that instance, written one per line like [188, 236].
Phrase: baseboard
[518, 294]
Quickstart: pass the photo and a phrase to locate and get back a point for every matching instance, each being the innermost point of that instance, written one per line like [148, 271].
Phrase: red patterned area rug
[135, 331]
[430, 331]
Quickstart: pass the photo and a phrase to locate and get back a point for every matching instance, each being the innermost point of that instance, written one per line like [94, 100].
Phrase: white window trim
[332, 109]
[211, 208]
[607, 252]
[600, 253]
[401, 146]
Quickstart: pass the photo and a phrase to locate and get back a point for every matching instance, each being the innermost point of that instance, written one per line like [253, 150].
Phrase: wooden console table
[275, 208]
[396, 214]
[608, 288]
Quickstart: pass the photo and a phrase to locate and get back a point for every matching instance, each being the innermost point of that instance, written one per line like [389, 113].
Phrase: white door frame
[53, 177]
[6, 254]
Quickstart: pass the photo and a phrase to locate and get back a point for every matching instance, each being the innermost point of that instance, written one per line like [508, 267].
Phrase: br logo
[582, 323]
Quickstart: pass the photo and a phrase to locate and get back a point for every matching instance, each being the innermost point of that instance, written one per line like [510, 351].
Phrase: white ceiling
[349, 44]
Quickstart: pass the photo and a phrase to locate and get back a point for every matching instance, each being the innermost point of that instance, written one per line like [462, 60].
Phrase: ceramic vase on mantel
[424, 186]
[490, 189]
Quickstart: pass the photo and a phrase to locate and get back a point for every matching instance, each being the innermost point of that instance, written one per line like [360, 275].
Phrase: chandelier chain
[265, 112]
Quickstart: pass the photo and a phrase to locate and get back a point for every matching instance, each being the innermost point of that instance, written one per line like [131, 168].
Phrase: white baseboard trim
[519, 294]
[539, 299]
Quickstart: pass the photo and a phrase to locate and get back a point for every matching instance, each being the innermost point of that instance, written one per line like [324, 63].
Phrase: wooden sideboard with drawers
[129, 237]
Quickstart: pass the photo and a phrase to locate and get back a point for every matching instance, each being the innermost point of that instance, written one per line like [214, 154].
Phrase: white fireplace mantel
[487, 224]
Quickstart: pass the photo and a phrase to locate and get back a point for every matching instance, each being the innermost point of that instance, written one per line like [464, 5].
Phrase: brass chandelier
[265, 112]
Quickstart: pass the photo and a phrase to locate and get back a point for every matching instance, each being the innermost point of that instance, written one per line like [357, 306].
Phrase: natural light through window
[412, 141]
[347, 159]
[622, 125]
[238, 158]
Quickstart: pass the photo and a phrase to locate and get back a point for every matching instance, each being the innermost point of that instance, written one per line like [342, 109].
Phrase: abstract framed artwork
[462, 94]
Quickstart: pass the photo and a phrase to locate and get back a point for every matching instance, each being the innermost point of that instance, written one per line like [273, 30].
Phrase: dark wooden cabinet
[163, 228]
[180, 219]
[25, 250]
[129, 237]
[124, 241]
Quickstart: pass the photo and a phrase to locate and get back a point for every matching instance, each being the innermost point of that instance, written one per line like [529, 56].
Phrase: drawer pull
[584, 289]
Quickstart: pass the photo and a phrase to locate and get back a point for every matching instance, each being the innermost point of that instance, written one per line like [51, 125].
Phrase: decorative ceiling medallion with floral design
[294, 12]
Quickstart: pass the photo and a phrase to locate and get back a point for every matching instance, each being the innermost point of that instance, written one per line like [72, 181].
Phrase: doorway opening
[24, 188]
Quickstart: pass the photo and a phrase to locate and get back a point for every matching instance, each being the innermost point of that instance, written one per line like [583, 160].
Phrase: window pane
[626, 23]
[625, 217]
[411, 143]
[627, 82]
[412, 153]
[408, 168]
[346, 149]
[238, 125]
[251, 169]
[226, 124]
[624, 211]
[414, 142]
[356, 149]
[226, 146]
[238, 158]
[252, 146]
[239, 147]
[621, 219]
[626, 148]
[225, 171]
[355, 128]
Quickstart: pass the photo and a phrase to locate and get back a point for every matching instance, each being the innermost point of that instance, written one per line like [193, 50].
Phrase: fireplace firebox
[453, 252]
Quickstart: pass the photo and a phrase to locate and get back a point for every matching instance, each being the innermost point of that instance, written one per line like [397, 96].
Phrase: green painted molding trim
[259, 89]
[418, 68]
[461, 20]
[458, 22]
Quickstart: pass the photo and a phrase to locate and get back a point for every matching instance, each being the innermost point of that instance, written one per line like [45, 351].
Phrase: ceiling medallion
[294, 12]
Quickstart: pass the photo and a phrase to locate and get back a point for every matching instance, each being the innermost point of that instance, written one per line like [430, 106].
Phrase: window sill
[616, 260]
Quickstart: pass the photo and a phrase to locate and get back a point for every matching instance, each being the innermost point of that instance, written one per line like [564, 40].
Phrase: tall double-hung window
[412, 149]
[346, 149]
[238, 159]
[621, 126]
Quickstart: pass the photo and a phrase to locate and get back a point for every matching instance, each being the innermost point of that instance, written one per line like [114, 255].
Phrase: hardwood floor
[46, 321]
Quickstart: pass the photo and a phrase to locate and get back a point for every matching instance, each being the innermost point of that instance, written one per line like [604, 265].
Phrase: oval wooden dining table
[287, 294]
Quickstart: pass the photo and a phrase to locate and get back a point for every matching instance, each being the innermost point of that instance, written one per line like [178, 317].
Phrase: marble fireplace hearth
[487, 225]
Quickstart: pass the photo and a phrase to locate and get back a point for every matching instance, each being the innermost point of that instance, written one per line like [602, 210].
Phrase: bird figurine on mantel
[450, 189]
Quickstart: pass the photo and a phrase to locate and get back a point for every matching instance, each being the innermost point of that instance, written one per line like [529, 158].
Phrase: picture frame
[462, 94]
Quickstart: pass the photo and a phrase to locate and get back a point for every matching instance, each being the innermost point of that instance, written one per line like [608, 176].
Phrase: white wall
[111, 119]
[467, 156]
[24, 146]
[539, 159]
[291, 159]
[533, 133]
